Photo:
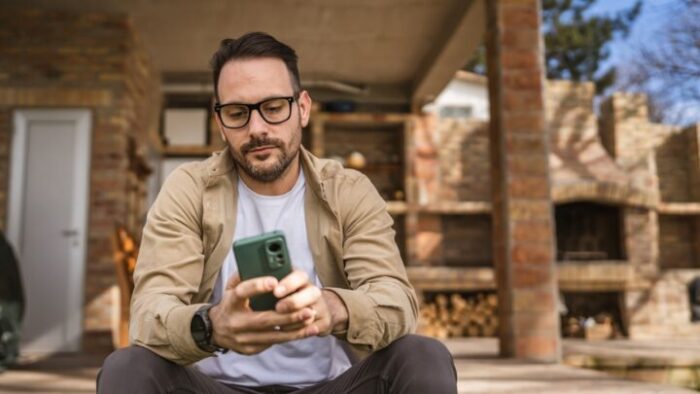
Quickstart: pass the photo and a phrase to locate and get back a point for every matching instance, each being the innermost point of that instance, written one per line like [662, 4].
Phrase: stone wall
[463, 157]
[677, 240]
[621, 159]
[52, 59]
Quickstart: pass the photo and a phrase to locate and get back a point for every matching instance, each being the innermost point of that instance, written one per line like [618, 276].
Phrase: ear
[220, 126]
[304, 101]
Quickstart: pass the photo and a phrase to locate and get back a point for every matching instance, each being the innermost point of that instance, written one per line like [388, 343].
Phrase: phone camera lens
[274, 247]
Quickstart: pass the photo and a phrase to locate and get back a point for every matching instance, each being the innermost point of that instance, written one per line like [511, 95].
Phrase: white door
[47, 218]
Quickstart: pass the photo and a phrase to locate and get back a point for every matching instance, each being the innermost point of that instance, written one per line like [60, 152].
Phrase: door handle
[69, 233]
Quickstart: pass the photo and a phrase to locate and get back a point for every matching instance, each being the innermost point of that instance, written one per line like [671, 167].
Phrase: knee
[134, 364]
[420, 363]
[419, 347]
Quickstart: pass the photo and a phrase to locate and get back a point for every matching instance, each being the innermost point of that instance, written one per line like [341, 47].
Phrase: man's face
[262, 150]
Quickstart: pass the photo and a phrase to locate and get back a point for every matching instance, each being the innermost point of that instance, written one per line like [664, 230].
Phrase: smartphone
[263, 255]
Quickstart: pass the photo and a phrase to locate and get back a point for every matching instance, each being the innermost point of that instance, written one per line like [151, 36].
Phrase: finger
[296, 326]
[273, 336]
[251, 287]
[232, 281]
[291, 283]
[228, 298]
[261, 321]
[303, 298]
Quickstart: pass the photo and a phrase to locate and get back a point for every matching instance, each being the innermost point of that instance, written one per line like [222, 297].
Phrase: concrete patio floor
[479, 371]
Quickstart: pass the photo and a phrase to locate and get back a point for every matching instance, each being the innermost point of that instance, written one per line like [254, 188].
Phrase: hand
[295, 293]
[237, 327]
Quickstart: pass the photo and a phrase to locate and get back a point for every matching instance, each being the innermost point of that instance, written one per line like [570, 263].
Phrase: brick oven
[626, 202]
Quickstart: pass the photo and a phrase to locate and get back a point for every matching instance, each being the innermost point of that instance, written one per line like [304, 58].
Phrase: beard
[274, 172]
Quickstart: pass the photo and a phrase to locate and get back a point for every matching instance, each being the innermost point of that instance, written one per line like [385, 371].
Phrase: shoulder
[201, 172]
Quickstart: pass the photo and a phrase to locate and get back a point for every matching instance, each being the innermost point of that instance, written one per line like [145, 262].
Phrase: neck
[281, 185]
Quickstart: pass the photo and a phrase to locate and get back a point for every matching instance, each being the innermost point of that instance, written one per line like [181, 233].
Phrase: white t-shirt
[297, 363]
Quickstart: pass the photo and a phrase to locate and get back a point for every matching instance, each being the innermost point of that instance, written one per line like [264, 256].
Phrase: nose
[256, 124]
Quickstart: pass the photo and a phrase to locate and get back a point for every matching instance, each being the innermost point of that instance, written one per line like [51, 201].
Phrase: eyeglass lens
[276, 110]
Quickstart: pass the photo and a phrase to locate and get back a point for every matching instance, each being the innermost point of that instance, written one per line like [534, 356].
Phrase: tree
[668, 68]
[576, 44]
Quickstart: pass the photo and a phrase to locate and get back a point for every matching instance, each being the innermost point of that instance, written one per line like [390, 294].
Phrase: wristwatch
[201, 329]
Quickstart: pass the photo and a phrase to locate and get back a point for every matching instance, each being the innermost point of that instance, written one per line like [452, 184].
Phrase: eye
[235, 112]
[274, 106]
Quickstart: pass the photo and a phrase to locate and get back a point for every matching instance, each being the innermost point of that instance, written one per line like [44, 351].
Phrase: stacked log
[457, 316]
[600, 326]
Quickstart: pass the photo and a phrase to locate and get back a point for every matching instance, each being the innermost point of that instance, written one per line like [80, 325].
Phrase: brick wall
[453, 240]
[673, 168]
[92, 60]
[663, 311]
[693, 156]
[5, 124]
[463, 156]
[677, 240]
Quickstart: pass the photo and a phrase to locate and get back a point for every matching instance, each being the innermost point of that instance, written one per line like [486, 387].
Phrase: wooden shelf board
[451, 278]
[193, 150]
[572, 276]
[364, 118]
[396, 207]
[679, 208]
[461, 207]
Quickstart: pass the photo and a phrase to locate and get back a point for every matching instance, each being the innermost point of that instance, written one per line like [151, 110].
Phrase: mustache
[257, 142]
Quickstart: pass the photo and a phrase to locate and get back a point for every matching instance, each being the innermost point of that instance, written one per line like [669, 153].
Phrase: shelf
[451, 279]
[193, 150]
[375, 167]
[571, 276]
[396, 207]
[679, 208]
[457, 207]
[365, 118]
[603, 275]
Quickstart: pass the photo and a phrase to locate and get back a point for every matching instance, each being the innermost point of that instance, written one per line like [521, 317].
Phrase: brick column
[524, 239]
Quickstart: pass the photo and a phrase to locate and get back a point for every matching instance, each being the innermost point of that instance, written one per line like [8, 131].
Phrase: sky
[646, 29]
[654, 14]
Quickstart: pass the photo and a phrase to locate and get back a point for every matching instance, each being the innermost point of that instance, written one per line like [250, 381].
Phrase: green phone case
[263, 255]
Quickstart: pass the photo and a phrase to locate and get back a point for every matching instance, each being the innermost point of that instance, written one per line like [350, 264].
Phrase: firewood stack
[457, 317]
[601, 326]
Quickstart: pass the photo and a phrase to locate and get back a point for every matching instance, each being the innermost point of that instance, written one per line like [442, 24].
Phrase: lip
[261, 149]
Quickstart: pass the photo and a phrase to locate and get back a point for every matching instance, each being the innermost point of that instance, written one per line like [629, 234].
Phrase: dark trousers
[412, 364]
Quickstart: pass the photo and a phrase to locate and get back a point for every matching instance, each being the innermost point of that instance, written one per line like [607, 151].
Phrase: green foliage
[576, 44]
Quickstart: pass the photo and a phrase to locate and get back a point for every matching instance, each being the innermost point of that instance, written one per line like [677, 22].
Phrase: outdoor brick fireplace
[626, 196]
[588, 232]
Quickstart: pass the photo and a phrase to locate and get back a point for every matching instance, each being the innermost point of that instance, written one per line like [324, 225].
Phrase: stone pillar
[524, 239]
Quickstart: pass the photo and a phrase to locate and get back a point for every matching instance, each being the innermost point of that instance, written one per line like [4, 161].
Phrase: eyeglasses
[274, 110]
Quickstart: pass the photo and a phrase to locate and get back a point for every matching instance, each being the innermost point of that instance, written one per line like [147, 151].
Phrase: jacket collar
[221, 163]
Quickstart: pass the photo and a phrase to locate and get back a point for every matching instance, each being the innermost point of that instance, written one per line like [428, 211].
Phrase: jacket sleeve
[169, 270]
[381, 303]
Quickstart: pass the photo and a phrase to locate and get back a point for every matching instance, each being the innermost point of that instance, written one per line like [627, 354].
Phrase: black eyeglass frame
[256, 106]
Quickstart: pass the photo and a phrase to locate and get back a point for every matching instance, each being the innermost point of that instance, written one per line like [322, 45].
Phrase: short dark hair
[254, 45]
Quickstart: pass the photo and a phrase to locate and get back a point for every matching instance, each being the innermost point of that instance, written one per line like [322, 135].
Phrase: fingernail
[280, 290]
[305, 315]
[313, 330]
[270, 282]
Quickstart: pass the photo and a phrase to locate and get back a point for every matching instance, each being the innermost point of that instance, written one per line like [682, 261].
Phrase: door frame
[81, 188]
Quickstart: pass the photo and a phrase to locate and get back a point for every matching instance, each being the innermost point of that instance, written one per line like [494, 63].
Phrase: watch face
[198, 329]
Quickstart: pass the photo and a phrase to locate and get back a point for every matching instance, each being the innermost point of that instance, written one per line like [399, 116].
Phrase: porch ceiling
[401, 51]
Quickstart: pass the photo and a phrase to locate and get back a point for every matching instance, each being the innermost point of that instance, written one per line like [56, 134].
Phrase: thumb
[232, 282]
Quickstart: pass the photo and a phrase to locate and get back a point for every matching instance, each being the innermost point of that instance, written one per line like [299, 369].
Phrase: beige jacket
[188, 234]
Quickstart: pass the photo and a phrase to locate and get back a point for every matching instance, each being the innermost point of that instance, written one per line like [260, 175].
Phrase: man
[191, 323]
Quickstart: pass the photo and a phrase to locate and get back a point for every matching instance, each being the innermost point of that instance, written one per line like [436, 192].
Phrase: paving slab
[478, 367]
[480, 371]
